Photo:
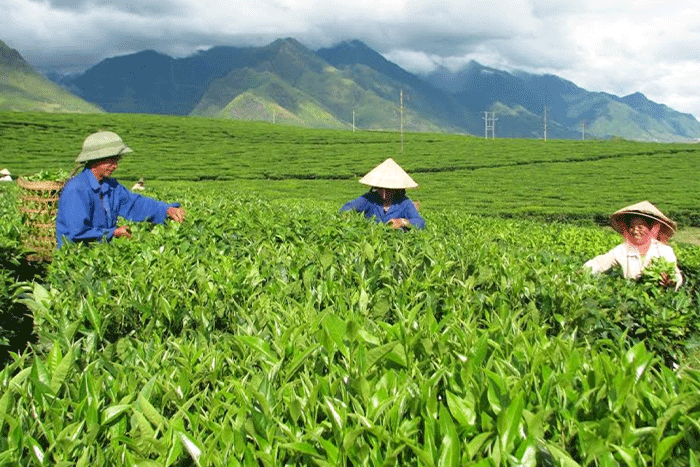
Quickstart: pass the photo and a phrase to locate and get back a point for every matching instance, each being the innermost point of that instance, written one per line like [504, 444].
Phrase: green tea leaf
[61, 370]
[665, 448]
[150, 412]
[449, 448]
[112, 413]
[509, 421]
[462, 408]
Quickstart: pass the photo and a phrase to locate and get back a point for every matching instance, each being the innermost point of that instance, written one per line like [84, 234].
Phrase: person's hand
[399, 223]
[122, 231]
[176, 214]
[667, 281]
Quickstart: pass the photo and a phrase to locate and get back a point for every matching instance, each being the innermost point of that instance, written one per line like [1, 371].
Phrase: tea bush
[269, 333]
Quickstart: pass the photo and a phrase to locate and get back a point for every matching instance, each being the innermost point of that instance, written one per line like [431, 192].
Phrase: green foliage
[571, 181]
[15, 274]
[275, 333]
[657, 272]
[55, 175]
[269, 329]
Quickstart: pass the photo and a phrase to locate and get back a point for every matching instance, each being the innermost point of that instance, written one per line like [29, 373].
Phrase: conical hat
[5, 172]
[101, 145]
[388, 174]
[648, 210]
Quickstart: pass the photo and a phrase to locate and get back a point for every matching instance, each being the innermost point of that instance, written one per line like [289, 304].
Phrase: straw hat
[101, 145]
[647, 210]
[5, 172]
[388, 174]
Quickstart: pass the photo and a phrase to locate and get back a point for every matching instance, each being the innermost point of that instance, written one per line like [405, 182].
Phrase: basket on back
[38, 205]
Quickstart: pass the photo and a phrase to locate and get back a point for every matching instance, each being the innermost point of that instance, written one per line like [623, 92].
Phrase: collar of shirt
[633, 251]
[92, 181]
[100, 188]
[652, 252]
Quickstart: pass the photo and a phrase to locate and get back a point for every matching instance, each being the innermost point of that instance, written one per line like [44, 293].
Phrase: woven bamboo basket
[38, 205]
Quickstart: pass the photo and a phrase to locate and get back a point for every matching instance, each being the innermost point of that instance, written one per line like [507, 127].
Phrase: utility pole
[490, 124]
[545, 123]
[353, 121]
[583, 130]
[401, 107]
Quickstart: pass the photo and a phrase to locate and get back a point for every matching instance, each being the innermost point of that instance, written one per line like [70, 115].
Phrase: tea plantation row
[582, 181]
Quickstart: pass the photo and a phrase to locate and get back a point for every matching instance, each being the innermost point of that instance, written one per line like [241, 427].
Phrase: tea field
[556, 180]
[269, 329]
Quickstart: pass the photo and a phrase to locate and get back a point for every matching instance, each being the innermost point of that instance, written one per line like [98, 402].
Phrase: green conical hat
[388, 174]
[101, 145]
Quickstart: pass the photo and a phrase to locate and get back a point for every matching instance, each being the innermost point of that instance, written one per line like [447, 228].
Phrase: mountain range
[352, 86]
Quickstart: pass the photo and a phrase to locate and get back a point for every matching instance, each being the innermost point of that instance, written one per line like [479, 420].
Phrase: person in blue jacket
[91, 202]
[386, 201]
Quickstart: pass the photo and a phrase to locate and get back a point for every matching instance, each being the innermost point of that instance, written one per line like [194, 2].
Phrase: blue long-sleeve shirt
[370, 204]
[88, 210]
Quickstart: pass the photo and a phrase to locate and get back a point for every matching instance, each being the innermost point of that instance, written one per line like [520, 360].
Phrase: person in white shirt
[646, 230]
[138, 186]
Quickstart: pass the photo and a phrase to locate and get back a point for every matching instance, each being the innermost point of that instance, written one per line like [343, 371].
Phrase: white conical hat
[644, 209]
[388, 174]
[4, 172]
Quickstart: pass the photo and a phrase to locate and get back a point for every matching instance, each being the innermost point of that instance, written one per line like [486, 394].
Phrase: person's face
[387, 194]
[103, 168]
[639, 230]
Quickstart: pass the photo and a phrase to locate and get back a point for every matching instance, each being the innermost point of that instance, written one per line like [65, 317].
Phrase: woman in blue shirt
[91, 202]
[386, 202]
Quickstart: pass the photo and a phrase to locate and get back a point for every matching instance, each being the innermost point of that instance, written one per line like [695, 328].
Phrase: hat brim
[104, 152]
[390, 175]
[619, 221]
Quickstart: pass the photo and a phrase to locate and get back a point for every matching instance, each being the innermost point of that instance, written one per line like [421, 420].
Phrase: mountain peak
[286, 43]
[11, 58]
[355, 52]
[636, 97]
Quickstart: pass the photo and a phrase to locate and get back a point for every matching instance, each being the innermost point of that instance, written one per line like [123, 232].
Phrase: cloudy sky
[615, 46]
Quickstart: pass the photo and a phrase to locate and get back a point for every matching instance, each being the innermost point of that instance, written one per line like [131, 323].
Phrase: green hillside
[293, 86]
[23, 89]
[246, 94]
